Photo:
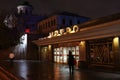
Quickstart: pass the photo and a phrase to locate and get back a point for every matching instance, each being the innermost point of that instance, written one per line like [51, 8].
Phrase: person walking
[11, 57]
[71, 62]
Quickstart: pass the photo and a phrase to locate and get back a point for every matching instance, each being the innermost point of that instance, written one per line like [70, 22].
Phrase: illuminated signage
[61, 32]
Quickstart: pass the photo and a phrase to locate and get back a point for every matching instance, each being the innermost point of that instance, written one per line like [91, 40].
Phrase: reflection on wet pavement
[36, 70]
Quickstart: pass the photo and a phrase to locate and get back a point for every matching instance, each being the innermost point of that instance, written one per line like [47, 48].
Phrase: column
[82, 55]
[50, 53]
[116, 50]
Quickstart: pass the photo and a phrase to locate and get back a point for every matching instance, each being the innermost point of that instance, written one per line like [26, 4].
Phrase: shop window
[60, 54]
[100, 52]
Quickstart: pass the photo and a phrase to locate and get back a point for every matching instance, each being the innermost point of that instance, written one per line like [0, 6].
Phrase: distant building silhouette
[23, 19]
[24, 22]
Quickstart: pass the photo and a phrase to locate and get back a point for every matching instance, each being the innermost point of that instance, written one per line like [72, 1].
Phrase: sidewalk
[35, 70]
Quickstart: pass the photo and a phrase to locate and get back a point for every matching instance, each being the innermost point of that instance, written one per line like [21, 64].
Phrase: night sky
[89, 8]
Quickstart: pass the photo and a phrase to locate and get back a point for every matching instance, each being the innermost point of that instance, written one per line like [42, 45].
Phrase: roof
[25, 3]
[66, 14]
[69, 14]
[101, 20]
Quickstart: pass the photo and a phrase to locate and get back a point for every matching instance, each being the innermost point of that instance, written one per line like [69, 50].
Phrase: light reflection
[57, 73]
[20, 49]
[23, 71]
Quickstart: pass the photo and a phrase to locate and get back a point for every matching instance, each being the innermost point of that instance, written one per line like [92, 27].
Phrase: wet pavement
[36, 70]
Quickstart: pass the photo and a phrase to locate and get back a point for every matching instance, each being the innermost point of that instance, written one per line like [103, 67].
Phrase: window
[43, 25]
[100, 51]
[48, 24]
[78, 22]
[63, 21]
[54, 22]
[70, 22]
[39, 26]
[51, 22]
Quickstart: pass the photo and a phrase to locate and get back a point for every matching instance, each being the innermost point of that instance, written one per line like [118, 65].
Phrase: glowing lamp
[27, 30]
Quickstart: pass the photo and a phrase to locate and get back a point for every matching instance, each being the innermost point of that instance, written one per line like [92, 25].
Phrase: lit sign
[75, 28]
[68, 30]
[61, 32]
[56, 32]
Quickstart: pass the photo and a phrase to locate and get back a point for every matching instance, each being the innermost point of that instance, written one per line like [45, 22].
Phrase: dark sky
[89, 8]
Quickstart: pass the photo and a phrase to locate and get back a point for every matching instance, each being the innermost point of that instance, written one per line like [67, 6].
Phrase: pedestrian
[71, 62]
[11, 57]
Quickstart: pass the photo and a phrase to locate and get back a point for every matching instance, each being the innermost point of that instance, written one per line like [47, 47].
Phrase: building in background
[58, 21]
[26, 25]
[23, 19]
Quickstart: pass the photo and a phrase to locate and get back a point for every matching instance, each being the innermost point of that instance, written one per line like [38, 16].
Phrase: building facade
[23, 18]
[59, 21]
[95, 43]
[26, 25]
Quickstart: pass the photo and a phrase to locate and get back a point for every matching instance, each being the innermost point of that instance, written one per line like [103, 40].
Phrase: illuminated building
[96, 41]
[58, 21]
[26, 24]
[23, 18]
[54, 23]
